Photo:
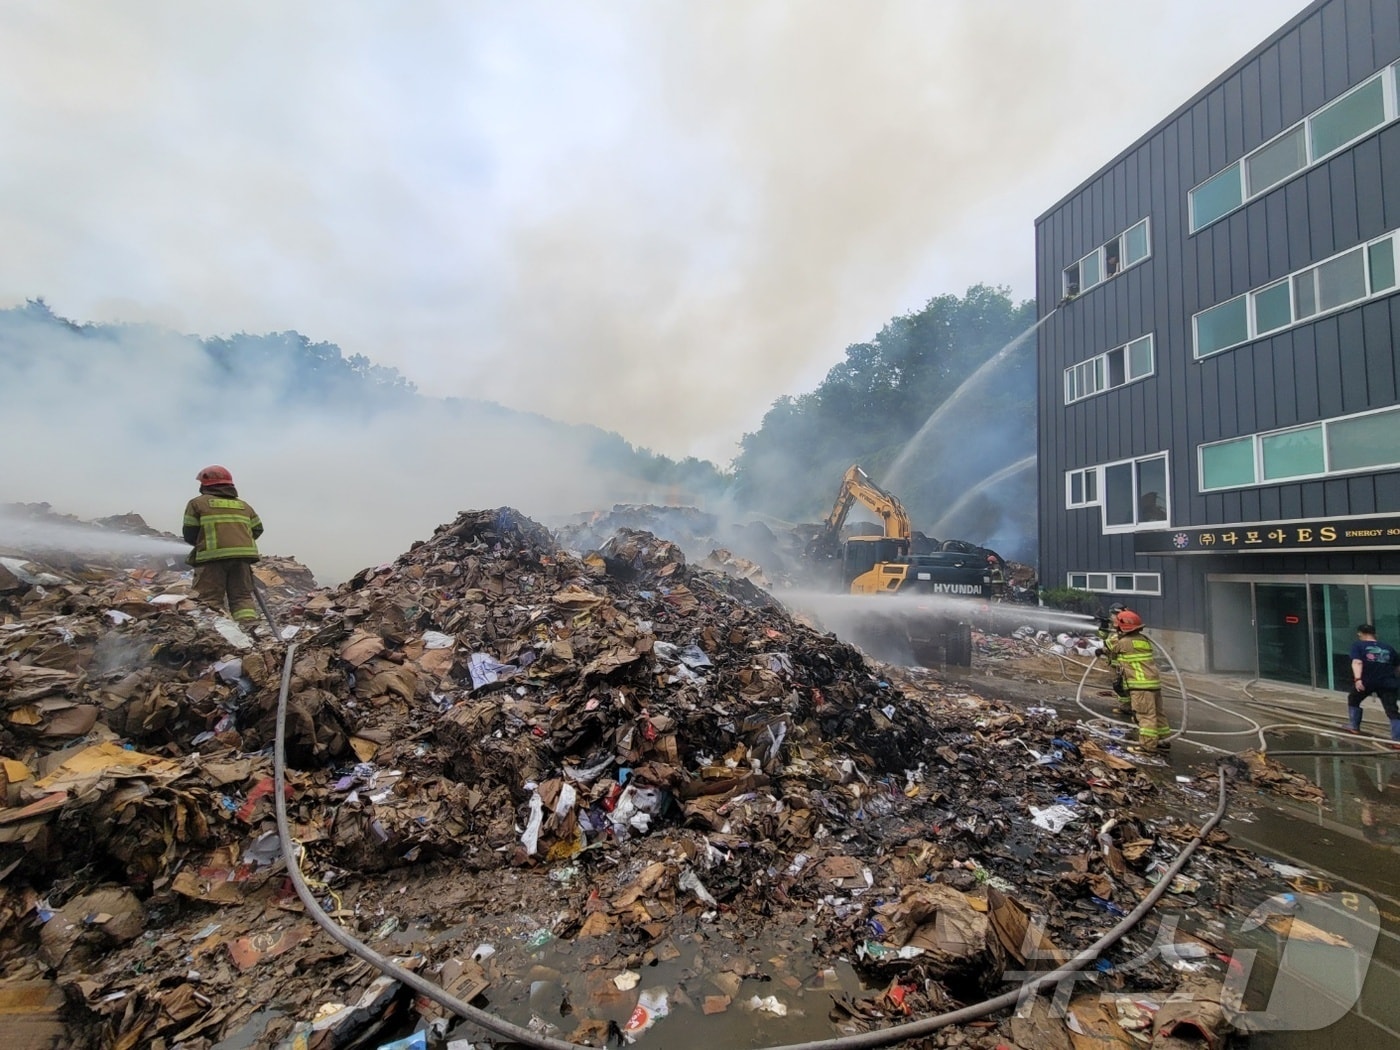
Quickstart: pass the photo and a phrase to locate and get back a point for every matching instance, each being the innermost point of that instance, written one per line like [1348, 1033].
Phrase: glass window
[1122, 583]
[1217, 196]
[1152, 489]
[1382, 265]
[1227, 464]
[1305, 294]
[1341, 280]
[1222, 326]
[1371, 440]
[1135, 247]
[1385, 610]
[1293, 453]
[1148, 583]
[1118, 495]
[1348, 118]
[1272, 308]
[1076, 489]
[1140, 358]
[1089, 273]
[1279, 159]
[1091, 486]
[1098, 581]
[1072, 279]
[1079, 580]
[1117, 371]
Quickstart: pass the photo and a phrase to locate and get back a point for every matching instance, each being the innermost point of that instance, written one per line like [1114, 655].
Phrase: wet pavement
[1348, 842]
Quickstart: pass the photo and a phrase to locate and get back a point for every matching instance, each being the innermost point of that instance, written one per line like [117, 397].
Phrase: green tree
[876, 399]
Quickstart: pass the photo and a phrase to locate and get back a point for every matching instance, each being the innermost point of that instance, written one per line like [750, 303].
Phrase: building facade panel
[1319, 365]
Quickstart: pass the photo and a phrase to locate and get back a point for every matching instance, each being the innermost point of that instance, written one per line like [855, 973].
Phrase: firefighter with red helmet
[1137, 658]
[223, 530]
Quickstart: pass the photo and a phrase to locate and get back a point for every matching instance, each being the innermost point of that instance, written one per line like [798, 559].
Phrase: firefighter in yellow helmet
[1137, 658]
[223, 531]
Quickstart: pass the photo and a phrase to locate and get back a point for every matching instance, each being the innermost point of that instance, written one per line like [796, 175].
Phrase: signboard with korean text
[1313, 534]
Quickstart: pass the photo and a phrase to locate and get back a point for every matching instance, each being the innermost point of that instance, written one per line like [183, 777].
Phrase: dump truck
[906, 565]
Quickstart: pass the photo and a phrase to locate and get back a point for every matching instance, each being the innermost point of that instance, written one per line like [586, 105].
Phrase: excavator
[902, 563]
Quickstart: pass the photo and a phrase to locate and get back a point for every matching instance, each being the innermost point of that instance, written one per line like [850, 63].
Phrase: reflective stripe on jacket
[221, 527]
[1135, 655]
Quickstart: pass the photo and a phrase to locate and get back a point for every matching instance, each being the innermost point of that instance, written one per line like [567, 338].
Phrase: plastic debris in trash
[691, 881]
[1053, 818]
[768, 1004]
[530, 838]
[1042, 712]
[438, 640]
[652, 1005]
[416, 1041]
[485, 669]
[627, 980]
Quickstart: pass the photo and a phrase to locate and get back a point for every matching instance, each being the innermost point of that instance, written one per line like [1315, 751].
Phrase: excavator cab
[864, 555]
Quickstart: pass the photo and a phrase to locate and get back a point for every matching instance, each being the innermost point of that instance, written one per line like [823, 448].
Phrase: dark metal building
[1219, 372]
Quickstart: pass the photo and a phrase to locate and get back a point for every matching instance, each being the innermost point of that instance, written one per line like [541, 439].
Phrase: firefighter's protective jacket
[1136, 657]
[219, 525]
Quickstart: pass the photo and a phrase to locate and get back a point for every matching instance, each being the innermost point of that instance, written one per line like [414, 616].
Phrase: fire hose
[524, 1036]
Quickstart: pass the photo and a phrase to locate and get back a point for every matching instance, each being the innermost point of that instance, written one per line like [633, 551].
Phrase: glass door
[1385, 613]
[1281, 629]
[1337, 610]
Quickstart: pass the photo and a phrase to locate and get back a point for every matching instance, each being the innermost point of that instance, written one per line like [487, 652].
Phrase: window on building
[1141, 362]
[1285, 156]
[1135, 493]
[1356, 113]
[1090, 272]
[1292, 453]
[1333, 284]
[1381, 257]
[1116, 582]
[1365, 441]
[1071, 284]
[1082, 488]
[1272, 308]
[1341, 281]
[1217, 197]
[1344, 120]
[1228, 464]
[1305, 294]
[1114, 368]
[1359, 442]
[1222, 326]
[1135, 244]
[1108, 260]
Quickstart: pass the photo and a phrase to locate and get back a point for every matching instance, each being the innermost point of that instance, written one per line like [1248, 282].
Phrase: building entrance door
[1281, 628]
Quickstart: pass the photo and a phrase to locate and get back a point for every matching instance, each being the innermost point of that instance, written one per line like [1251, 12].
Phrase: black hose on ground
[515, 1033]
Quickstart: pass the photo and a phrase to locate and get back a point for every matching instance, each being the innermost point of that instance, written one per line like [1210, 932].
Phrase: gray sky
[653, 216]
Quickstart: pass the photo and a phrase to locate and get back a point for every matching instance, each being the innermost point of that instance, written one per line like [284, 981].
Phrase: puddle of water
[554, 986]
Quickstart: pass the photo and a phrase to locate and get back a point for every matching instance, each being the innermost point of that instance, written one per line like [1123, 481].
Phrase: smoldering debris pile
[595, 794]
[750, 550]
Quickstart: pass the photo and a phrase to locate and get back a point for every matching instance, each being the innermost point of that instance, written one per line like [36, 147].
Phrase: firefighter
[1137, 658]
[223, 531]
[1108, 634]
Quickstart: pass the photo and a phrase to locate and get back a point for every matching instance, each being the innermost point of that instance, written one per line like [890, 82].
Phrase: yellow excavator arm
[856, 486]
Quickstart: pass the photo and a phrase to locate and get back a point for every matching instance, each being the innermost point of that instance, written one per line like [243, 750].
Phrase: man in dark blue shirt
[1373, 670]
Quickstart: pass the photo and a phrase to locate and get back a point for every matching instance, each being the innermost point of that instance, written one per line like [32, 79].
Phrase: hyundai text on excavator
[900, 563]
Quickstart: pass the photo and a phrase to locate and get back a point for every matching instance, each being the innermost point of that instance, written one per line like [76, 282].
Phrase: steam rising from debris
[125, 428]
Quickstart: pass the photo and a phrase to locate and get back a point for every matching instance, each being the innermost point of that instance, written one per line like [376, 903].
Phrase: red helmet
[1129, 621]
[215, 475]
